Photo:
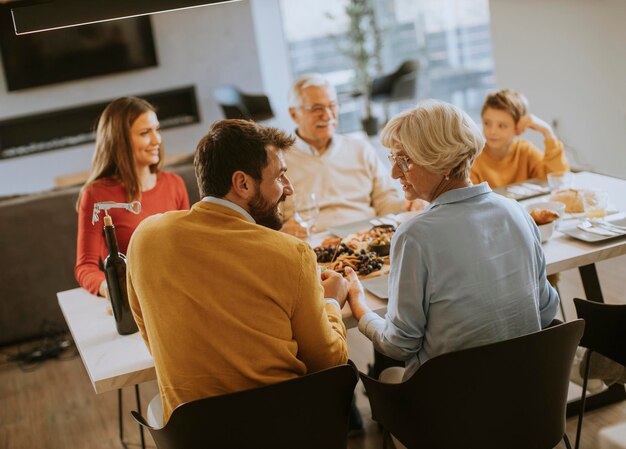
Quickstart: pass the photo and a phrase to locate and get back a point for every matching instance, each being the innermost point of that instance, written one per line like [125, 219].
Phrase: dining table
[114, 362]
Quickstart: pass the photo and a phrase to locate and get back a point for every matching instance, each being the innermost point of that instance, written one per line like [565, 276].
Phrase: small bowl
[381, 250]
[546, 231]
[556, 206]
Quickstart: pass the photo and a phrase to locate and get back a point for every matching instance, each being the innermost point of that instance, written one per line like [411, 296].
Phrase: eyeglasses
[319, 108]
[403, 162]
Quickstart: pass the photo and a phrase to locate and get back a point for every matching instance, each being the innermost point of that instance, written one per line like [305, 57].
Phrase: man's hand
[356, 295]
[335, 286]
[292, 227]
[415, 205]
[531, 121]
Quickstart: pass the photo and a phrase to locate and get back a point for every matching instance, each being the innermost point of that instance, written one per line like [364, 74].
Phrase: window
[450, 39]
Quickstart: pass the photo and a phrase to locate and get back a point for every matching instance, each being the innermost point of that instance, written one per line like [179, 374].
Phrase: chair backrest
[511, 394]
[306, 412]
[236, 104]
[399, 85]
[605, 328]
[231, 101]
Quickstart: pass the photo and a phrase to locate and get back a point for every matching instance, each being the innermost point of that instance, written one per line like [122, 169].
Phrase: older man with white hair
[344, 172]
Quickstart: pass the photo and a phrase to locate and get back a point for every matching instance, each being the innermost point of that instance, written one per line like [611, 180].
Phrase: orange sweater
[523, 162]
[91, 250]
[226, 305]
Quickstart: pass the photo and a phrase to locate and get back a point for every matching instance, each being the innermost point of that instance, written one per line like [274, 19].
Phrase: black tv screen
[72, 53]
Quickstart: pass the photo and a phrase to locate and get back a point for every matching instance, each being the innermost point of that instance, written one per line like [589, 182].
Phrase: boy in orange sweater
[505, 160]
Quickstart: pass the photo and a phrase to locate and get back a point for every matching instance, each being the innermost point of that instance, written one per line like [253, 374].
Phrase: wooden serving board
[373, 274]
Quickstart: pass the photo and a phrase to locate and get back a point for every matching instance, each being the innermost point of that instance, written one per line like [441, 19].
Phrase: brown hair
[113, 157]
[232, 145]
[507, 100]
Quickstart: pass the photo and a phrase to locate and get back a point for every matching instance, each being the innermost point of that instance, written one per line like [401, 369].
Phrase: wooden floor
[55, 407]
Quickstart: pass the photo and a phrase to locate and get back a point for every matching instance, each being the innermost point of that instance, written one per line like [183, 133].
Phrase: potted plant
[363, 47]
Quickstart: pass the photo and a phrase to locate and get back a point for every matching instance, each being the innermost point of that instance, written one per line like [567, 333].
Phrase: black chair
[236, 104]
[605, 333]
[397, 86]
[306, 412]
[511, 394]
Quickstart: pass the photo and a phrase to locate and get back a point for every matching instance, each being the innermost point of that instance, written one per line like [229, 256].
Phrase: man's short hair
[232, 145]
[507, 100]
[308, 80]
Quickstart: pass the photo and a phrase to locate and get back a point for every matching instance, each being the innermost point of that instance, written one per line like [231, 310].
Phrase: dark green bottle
[115, 272]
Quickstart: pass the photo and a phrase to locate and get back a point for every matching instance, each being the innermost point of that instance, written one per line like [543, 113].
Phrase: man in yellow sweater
[224, 301]
[505, 160]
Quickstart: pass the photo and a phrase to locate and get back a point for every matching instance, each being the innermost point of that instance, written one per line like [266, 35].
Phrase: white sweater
[349, 180]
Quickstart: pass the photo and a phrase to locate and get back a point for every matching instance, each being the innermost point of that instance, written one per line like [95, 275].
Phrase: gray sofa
[38, 253]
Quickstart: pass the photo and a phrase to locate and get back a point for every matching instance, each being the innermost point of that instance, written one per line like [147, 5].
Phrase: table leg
[616, 392]
[121, 417]
[143, 441]
[591, 282]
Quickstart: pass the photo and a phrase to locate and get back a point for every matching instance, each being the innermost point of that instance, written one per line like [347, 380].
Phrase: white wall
[274, 57]
[568, 57]
[202, 46]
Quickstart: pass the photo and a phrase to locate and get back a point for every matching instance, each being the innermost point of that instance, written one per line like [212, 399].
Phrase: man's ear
[242, 185]
[294, 114]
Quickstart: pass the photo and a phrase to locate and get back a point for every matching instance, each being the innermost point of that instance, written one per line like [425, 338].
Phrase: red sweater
[168, 194]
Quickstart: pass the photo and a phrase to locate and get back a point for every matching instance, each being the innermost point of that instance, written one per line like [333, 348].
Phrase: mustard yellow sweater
[523, 162]
[226, 305]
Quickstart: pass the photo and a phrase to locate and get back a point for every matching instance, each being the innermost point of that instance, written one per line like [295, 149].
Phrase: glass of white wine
[306, 210]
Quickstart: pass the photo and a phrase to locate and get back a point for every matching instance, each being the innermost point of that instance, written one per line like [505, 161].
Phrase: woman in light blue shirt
[470, 269]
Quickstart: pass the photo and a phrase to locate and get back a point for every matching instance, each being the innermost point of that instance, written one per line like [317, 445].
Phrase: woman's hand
[335, 286]
[104, 290]
[415, 205]
[356, 295]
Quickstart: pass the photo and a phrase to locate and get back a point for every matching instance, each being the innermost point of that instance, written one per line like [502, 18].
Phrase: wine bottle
[115, 272]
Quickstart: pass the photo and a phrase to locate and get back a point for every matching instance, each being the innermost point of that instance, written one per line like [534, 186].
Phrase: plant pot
[370, 125]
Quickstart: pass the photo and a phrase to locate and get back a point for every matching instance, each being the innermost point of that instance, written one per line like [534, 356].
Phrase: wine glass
[306, 210]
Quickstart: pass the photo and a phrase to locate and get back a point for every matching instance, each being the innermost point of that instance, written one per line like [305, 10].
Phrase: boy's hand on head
[523, 123]
[531, 121]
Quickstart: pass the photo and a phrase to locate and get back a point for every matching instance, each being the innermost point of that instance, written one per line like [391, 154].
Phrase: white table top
[564, 252]
[113, 361]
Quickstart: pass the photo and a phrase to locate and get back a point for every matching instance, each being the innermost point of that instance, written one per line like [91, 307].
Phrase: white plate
[378, 286]
[569, 216]
[406, 216]
[591, 237]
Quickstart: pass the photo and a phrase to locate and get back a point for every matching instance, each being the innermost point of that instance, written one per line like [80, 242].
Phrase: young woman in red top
[126, 167]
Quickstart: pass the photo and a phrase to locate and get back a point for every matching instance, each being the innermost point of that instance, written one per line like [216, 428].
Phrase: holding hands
[335, 286]
[348, 288]
[531, 121]
[356, 295]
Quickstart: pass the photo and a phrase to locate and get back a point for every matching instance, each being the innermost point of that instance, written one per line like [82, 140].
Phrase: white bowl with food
[546, 214]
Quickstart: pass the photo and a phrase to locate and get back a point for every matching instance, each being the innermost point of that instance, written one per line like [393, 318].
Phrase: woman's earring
[447, 178]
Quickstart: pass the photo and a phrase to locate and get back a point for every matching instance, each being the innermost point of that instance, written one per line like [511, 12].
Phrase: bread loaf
[572, 199]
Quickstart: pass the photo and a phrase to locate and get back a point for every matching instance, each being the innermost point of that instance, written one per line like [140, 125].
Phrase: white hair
[436, 135]
[308, 80]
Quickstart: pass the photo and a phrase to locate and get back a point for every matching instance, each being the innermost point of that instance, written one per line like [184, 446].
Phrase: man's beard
[265, 213]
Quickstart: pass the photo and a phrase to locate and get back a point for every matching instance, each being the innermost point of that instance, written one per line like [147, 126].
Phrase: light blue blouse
[468, 271]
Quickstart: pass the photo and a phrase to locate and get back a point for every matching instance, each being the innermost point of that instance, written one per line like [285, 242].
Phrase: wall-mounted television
[72, 53]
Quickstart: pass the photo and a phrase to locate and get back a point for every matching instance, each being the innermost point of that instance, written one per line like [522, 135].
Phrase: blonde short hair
[308, 80]
[437, 136]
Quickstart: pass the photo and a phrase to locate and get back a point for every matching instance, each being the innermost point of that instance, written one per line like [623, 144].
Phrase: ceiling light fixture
[55, 14]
